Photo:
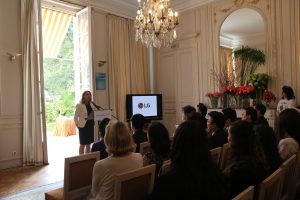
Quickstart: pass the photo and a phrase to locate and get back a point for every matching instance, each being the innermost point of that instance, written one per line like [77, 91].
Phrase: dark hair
[289, 92]
[266, 137]
[102, 126]
[191, 157]
[159, 139]
[199, 118]
[217, 118]
[289, 122]
[261, 108]
[230, 114]
[252, 112]
[188, 109]
[202, 109]
[82, 96]
[138, 121]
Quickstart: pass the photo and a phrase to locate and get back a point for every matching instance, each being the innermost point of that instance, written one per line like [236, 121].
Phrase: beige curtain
[128, 71]
[32, 118]
[226, 62]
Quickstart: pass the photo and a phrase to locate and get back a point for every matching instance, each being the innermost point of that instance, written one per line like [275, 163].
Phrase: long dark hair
[289, 92]
[191, 158]
[159, 139]
[289, 122]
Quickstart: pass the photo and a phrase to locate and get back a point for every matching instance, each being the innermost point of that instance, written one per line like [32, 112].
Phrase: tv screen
[149, 105]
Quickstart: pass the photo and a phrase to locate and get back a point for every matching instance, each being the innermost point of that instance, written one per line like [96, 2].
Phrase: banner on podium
[99, 115]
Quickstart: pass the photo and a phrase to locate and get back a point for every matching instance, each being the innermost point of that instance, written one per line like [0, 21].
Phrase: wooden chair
[288, 178]
[247, 194]
[136, 184]
[271, 187]
[165, 167]
[144, 147]
[77, 178]
[297, 168]
[225, 156]
[216, 154]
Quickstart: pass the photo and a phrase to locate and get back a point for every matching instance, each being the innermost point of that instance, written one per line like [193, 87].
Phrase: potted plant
[260, 82]
[245, 93]
[214, 98]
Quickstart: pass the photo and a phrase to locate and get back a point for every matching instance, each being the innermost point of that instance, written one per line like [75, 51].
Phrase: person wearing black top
[215, 126]
[186, 110]
[261, 110]
[250, 115]
[202, 109]
[137, 125]
[230, 117]
[100, 145]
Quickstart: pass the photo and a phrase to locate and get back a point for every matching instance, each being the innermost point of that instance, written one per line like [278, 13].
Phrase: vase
[259, 96]
[224, 102]
[243, 102]
[231, 102]
[214, 102]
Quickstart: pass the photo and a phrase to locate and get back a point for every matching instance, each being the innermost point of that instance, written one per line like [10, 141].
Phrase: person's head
[137, 122]
[289, 124]
[287, 93]
[215, 121]
[187, 110]
[229, 115]
[241, 139]
[250, 115]
[159, 140]
[102, 126]
[117, 139]
[202, 109]
[260, 109]
[86, 97]
[196, 116]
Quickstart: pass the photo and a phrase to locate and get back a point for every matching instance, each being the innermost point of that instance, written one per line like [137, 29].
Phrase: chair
[144, 147]
[216, 154]
[288, 178]
[77, 177]
[247, 194]
[297, 168]
[225, 156]
[165, 167]
[271, 187]
[136, 184]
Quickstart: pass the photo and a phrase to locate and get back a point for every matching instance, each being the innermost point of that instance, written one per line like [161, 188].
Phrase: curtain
[32, 118]
[226, 62]
[128, 71]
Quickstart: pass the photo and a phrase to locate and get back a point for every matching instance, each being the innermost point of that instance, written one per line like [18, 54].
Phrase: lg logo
[143, 105]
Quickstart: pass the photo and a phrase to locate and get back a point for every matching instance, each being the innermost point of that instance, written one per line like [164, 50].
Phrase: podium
[99, 115]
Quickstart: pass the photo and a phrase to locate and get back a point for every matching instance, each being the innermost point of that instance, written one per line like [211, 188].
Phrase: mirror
[243, 27]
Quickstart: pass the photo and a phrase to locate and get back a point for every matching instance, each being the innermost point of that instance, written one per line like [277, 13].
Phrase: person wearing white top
[120, 145]
[288, 99]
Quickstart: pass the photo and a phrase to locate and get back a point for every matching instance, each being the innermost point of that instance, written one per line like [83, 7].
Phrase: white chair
[77, 178]
[288, 178]
[247, 194]
[136, 184]
[216, 155]
[225, 156]
[144, 147]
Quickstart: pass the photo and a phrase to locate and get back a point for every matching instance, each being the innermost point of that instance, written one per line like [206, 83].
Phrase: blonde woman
[84, 122]
[120, 146]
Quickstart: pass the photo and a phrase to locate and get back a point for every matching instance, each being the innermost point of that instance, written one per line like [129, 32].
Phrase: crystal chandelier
[155, 23]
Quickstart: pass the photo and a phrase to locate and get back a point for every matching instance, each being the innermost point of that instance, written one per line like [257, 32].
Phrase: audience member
[193, 174]
[245, 168]
[187, 110]
[137, 125]
[215, 126]
[100, 145]
[119, 143]
[261, 110]
[202, 109]
[287, 99]
[230, 117]
[266, 137]
[198, 117]
[159, 140]
[289, 129]
[250, 115]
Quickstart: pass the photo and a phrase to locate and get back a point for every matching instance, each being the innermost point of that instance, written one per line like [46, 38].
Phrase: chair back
[144, 147]
[247, 194]
[271, 187]
[78, 175]
[165, 167]
[297, 168]
[288, 177]
[136, 184]
[225, 156]
[216, 154]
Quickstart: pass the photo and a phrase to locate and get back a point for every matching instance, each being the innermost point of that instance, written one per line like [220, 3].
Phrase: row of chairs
[221, 156]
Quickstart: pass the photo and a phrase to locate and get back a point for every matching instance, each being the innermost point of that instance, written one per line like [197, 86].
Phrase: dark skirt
[86, 134]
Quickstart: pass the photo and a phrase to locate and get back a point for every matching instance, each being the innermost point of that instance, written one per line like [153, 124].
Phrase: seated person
[261, 110]
[230, 117]
[215, 126]
[199, 118]
[119, 143]
[187, 110]
[160, 146]
[250, 115]
[202, 109]
[99, 145]
[137, 122]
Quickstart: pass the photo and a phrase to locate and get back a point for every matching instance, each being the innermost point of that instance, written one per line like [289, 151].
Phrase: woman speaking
[85, 122]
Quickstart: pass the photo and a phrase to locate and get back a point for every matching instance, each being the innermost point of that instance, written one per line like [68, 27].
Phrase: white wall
[10, 85]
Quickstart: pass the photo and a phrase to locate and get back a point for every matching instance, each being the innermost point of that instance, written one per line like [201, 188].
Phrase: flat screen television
[149, 105]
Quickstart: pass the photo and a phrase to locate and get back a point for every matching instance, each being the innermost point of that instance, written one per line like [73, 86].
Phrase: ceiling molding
[189, 4]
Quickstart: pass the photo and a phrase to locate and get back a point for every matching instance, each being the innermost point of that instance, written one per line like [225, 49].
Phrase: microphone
[99, 107]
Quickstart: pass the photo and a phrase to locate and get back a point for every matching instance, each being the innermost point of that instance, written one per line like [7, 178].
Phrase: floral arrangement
[268, 96]
[245, 91]
[213, 97]
[229, 89]
[259, 81]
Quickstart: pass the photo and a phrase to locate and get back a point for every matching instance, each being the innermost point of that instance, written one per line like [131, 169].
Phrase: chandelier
[155, 23]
